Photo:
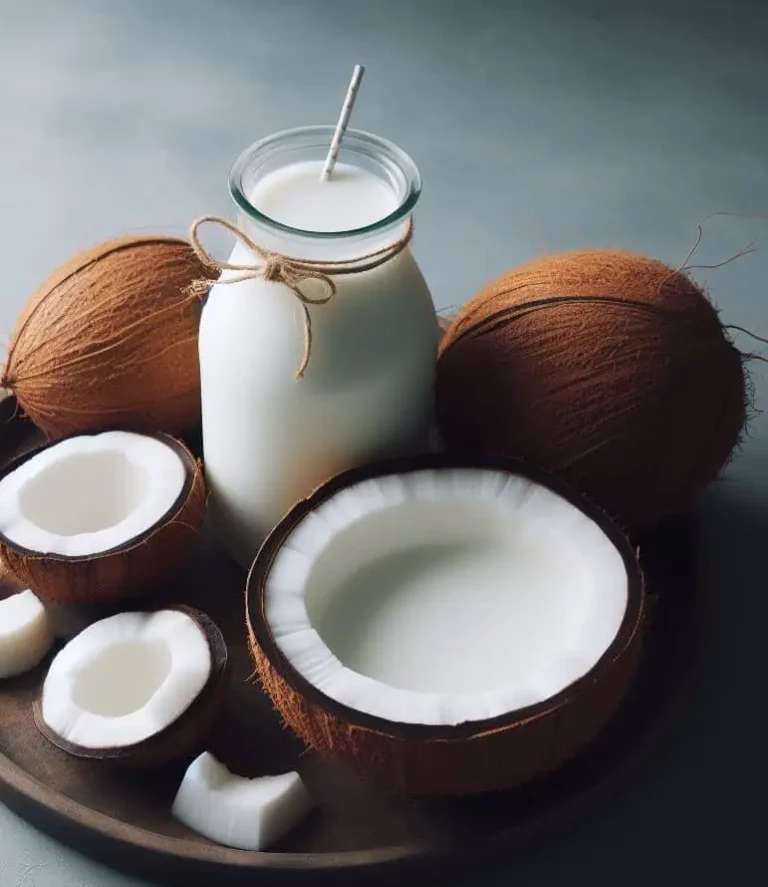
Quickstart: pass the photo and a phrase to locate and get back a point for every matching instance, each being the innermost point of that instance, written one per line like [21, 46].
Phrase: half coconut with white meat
[137, 689]
[97, 517]
[446, 626]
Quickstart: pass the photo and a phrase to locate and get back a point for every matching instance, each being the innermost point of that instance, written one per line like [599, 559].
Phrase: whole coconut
[110, 340]
[609, 368]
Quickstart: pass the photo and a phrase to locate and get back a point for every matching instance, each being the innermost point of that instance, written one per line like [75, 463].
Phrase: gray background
[537, 125]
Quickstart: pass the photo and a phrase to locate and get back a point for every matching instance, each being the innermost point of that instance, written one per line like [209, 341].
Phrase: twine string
[278, 268]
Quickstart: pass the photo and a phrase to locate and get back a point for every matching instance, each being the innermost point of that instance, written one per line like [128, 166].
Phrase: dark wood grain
[125, 820]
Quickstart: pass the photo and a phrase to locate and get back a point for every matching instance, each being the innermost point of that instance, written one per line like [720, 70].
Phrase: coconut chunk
[25, 633]
[246, 814]
[126, 678]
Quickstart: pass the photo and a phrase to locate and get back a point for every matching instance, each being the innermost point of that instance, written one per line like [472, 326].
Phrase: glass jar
[270, 438]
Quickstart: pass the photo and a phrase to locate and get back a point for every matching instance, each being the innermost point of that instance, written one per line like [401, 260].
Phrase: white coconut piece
[25, 633]
[246, 814]
[445, 596]
[90, 494]
[125, 679]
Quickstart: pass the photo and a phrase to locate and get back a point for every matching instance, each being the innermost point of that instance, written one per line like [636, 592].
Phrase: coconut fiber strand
[110, 340]
[608, 368]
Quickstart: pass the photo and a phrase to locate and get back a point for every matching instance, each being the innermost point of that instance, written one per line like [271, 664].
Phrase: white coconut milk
[295, 196]
[270, 439]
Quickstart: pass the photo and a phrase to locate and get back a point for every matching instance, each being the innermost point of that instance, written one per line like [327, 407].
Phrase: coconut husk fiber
[110, 340]
[608, 368]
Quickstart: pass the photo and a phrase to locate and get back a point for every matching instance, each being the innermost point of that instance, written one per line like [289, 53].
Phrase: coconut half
[247, 814]
[26, 634]
[446, 626]
[136, 688]
[97, 517]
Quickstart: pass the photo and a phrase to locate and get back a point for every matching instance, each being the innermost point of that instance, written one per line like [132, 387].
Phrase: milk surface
[351, 198]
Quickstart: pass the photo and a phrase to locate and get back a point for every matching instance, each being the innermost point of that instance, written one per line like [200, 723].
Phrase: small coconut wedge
[446, 626]
[136, 689]
[247, 814]
[96, 518]
[25, 633]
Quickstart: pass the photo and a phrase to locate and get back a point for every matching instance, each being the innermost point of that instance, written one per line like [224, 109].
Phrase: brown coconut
[110, 340]
[470, 758]
[125, 571]
[609, 368]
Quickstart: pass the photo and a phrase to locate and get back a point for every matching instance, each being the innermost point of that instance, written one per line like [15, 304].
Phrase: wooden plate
[354, 833]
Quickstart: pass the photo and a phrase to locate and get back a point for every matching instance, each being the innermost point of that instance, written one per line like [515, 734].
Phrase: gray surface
[536, 125]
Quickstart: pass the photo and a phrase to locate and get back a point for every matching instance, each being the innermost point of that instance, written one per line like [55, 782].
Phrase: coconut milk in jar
[270, 438]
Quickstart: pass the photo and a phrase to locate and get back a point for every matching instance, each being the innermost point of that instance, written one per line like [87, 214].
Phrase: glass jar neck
[377, 182]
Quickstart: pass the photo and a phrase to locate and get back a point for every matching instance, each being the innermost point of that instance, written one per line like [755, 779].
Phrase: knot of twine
[291, 272]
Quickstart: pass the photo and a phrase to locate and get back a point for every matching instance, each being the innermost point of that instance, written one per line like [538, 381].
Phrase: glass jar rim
[359, 141]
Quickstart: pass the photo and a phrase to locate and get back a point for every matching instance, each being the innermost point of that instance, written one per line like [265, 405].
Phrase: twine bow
[291, 272]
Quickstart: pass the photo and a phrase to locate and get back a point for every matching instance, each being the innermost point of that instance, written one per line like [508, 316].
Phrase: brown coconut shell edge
[184, 736]
[469, 758]
[129, 568]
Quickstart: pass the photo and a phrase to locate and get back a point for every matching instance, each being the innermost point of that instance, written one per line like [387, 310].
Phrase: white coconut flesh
[25, 633]
[91, 493]
[126, 678]
[444, 596]
[246, 814]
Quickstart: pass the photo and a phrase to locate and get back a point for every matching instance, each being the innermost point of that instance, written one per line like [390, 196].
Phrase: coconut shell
[608, 368]
[128, 570]
[469, 758]
[186, 736]
[468, 763]
[110, 340]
